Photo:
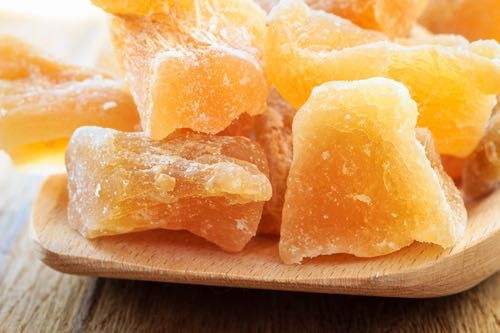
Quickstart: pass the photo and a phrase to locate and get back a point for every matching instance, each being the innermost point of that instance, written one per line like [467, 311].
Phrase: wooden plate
[419, 270]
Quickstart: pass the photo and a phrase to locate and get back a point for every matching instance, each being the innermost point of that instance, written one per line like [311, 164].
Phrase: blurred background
[71, 31]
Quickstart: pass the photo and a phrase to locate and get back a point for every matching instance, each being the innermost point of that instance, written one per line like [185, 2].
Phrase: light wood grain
[34, 298]
[417, 271]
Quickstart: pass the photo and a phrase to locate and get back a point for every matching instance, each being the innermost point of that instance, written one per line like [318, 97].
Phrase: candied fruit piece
[143, 7]
[198, 68]
[273, 131]
[394, 18]
[451, 192]
[243, 126]
[43, 102]
[360, 182]
[474, 19]
[40, 155]
[212, 186]
[454, 167]
[454, 86]
[481, 172]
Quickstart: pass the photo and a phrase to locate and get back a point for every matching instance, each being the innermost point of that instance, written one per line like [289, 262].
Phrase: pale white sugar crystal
[98, 190]
[362, 197]
[241, 224]
[109, 105]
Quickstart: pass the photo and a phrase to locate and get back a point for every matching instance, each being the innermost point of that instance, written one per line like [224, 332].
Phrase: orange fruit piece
[474, 19]
[360, 182]
[481, 173]
[213, 186]
[273, 131]
[454, 86]
[198, 68]
[454, 167]
[394, 18]
[42, 101]
[243, 126]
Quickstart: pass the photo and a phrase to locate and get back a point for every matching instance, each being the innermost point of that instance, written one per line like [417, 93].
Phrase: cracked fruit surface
[42, 101]
[454, 85]
[213, 186]
[198, 67]
[360, 182]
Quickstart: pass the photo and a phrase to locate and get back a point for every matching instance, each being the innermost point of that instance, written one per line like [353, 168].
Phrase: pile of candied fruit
[346, 126]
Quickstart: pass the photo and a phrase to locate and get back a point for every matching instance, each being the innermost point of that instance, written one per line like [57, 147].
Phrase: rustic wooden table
[34, 298]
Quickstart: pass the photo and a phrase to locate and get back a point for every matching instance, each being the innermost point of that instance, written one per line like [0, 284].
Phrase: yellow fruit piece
[481, 172]
[454, 86]
[197, 68]
[50, 153]
[42, 101]
[143, 7]
[474, 19]
[360, 182]
[273, 130]
[212, 186]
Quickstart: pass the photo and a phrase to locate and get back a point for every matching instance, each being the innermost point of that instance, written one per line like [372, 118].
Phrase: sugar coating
[197, 67]
[122, 182]
[358, 203]
[394, 18]
[453, 82]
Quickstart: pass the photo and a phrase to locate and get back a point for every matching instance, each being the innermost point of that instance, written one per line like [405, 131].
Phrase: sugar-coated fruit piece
[454, 85]
[197, 67]
[360, 182]
[474, 19]
[394, 18]
[273, 131]
[481, 172]
[212, 186]
[448, 184]
[43, 101]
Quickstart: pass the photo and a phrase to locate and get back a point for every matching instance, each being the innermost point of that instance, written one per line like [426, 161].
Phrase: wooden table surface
[34, 298]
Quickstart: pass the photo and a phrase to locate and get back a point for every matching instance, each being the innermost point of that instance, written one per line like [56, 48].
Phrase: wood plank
[32, 296]
[133, 306]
